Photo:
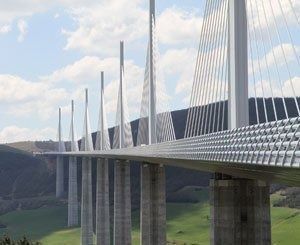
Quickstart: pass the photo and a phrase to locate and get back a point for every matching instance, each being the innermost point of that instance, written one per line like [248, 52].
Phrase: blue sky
[51, 50]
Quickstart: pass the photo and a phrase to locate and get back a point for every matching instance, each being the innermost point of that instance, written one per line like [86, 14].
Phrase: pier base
[59, 177]
[122, 204]
[86, 203]
[240, 212]
[102, 203]
[73, 193]
[153, 205]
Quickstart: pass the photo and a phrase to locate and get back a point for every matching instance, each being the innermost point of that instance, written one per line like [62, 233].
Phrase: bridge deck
[269, 151]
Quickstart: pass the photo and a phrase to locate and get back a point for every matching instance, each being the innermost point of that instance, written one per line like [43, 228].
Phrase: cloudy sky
[52, 50]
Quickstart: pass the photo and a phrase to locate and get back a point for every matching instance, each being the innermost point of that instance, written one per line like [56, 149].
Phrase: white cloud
[23, 29]
[15, 134]
[100, 28]
[45, 106]
[102, 25]
[39, 100]
[185, 27]
[88, 69]
[25, 98]
[291, 87]
[16, 9]
[288, 88]
[276, 13]
[281, 54]
[179, 65]
[15, 89]
[5, 29]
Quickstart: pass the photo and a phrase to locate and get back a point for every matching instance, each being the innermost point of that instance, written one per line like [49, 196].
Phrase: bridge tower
[73, 189]
[240, 208]
[102, 194]
[122, 193]
[153, 189]
[60, 162]
[86, 190]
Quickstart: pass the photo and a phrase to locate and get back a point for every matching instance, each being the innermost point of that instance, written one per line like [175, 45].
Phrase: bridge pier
[240, 212]
[240, 208]
[102, 203]
[72, 193]
[153, 204]
[59, 176]
[122, 203]
[86, 203]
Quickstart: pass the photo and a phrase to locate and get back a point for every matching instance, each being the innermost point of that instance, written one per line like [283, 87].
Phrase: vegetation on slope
[22, 177]
[6, 240]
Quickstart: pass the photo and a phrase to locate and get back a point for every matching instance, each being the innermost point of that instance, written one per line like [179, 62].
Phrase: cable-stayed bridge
[245, 50]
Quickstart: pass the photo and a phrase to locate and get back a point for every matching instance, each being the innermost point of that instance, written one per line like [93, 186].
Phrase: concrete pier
[240, 212]
[240, 208]
[153, 205]
[86, 203]
[73, 193]
[102, 204]
[122, 204]
[59, 177]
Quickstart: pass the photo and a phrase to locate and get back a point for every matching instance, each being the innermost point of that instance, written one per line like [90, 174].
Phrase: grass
[63, 237]
[45, 224]
[187, 224]
[285, 226]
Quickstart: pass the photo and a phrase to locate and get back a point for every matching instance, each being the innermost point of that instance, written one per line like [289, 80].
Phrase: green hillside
[187, 224]
[23, 176]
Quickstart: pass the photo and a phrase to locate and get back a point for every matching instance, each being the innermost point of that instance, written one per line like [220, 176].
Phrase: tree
[6, 240]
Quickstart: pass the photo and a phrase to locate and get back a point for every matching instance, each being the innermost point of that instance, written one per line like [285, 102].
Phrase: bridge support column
[86, 203]
[102, 203]
[59, 177]
[240, 212]
[153, 205]
[122, 204]
[72, 193]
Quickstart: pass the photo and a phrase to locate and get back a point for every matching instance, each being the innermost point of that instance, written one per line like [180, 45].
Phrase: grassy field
[47, 225]
[187, 224]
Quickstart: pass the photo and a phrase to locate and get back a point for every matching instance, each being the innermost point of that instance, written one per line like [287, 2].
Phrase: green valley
[187, 223]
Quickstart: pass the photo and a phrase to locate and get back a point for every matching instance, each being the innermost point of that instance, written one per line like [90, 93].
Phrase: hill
[26, 182]
[23, 177]
[34, 146]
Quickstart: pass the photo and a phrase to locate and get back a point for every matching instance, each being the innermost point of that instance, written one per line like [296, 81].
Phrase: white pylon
[152, 82]
[238, 65]
[60, 161]
[122, 139]
[121, 91]
[102, 196]
[73, 188]
[153, 199]
[86, 199]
